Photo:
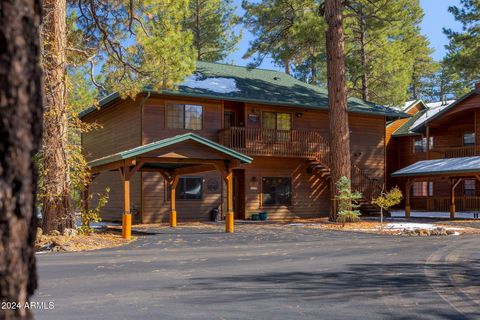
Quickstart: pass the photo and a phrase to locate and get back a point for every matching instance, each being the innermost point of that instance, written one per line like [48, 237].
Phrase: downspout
[141, 104]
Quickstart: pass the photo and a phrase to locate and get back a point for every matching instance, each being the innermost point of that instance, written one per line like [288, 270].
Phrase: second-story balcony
[455, 152]
[278, 143]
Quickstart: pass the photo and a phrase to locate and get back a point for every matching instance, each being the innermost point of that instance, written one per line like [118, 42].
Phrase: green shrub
[347, 201]
[93, 215]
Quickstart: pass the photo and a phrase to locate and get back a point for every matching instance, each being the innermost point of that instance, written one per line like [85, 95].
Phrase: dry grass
[94, 241]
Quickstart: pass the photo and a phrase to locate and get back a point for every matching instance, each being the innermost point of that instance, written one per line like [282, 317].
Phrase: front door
[229, 119]
[239, 193]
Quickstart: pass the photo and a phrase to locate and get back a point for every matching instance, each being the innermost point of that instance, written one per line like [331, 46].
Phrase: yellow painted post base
[173, 219]
[229, 227]
[126, 226]
[407, 212]
[452, 211]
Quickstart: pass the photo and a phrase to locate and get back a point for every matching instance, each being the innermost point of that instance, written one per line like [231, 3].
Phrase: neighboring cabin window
[276, 191]
[469, 187]
[469, 139]
[420, 145]
[184, 116]
[188, 188]
[423, 189]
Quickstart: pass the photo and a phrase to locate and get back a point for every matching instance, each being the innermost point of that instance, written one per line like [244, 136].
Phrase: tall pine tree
[464, 48]
[212, 24]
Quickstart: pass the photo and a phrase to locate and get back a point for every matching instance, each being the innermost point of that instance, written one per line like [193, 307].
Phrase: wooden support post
[229, 217]
[453, 185]
[173, 213]
[428, 142]
[407, 199]
[85, 199]
[127, 216]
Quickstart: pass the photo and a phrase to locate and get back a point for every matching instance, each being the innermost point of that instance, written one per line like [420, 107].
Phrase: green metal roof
[235, 83]
[440, 167]
[167, 142]
[404, 130]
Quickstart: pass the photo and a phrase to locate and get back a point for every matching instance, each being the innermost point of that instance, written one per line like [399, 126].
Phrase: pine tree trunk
[337, 95]
[197, 31]
[363, 53]
[414, 88]
[313, 68]
[287, 67]
[20, 131]
[57, 207]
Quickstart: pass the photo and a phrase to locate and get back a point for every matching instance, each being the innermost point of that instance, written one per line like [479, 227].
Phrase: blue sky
[436, 18]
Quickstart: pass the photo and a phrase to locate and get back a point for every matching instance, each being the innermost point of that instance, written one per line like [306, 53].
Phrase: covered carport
[454, 169]
[172, 157]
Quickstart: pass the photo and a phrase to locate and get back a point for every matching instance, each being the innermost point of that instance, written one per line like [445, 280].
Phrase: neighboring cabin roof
[442, 109]
[421, 117]
[236, 83]
[440, 167]
[137, 151]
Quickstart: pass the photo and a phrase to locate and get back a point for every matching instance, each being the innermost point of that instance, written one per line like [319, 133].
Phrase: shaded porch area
[172, 157]
[453, 172]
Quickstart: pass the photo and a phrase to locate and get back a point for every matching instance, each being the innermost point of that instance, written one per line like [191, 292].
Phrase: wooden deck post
[453, 185]
[127, 216]
[428, 142]
[173, 212]
[407, 199]
[229, 217]
[85, 204]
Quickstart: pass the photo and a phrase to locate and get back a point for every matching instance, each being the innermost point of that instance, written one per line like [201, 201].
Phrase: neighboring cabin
[280, 122]
[435, 152]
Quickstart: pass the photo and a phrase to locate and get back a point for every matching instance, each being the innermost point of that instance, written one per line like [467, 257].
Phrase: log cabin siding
[156, 206]
[119, 130]
[155, 123]
[310, 194]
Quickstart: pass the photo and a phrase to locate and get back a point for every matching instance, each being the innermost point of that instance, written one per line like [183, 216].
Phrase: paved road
[298, 273]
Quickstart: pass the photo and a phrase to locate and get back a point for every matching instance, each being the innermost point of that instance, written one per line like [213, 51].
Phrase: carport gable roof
[138, 151]
[441, 167]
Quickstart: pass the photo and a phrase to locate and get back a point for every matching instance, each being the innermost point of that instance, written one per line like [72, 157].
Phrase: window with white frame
[469, 139]
[423, 188]
[469, 187]
[184, 116]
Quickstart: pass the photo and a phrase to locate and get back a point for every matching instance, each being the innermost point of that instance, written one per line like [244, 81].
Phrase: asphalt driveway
[268, 273]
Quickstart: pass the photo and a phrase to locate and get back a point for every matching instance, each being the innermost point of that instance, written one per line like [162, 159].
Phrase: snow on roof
[432, 109]
[218, 85]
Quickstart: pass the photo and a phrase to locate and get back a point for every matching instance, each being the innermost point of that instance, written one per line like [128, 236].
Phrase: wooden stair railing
[361, 182]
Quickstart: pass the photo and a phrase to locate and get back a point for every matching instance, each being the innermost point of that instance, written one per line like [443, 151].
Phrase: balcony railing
[462, 203]
[455, 152]
[270, 142]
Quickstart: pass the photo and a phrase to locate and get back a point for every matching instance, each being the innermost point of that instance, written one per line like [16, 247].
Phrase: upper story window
[420, 145]
[423, 188]
[277, 120]
[469, 139]
[184, 116]
[469, 187]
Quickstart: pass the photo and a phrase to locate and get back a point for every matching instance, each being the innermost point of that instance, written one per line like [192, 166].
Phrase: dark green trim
[123, 155]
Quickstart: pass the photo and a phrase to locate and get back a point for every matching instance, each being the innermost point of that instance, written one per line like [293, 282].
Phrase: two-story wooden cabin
[265, 129]
[433, 155]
